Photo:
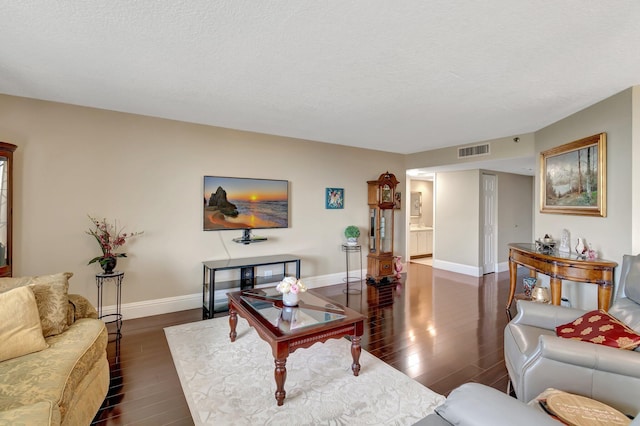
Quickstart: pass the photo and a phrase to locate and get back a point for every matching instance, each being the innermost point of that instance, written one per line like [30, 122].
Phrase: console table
[560, 266]
[248, 277]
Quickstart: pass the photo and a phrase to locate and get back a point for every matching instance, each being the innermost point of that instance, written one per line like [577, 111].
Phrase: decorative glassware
[529, 283]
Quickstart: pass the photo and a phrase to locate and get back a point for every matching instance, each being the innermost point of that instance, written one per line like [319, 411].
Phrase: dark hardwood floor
[440, 328]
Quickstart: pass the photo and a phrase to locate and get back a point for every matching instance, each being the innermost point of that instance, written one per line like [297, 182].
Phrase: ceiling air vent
[472, 151]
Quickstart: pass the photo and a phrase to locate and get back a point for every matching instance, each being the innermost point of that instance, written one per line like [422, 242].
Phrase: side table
[348, 250]
[115, 277]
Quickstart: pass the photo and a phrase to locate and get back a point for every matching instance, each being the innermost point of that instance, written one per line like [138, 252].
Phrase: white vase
[290, 299]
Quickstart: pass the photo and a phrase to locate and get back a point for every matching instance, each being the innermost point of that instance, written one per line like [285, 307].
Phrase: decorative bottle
[580, 248]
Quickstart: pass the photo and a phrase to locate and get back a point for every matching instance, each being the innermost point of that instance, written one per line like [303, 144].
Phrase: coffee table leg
[355, 353]
[233, 321]
[280, 375]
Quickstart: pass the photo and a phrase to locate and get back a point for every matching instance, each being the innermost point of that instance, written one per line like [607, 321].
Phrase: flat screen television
[245, 203]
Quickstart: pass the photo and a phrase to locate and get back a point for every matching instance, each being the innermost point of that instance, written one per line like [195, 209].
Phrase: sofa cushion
[51, 298]
[20, 330]
[632, 279]
[627, 311]
[601, 328]
[54, 374]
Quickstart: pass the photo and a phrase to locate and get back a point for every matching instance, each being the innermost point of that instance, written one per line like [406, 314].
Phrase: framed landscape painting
[573, 177]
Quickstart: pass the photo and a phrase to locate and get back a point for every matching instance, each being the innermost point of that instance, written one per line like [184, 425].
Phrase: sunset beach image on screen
[245, 203]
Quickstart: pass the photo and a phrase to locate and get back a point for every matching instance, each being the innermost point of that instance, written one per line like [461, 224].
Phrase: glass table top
[311, 310]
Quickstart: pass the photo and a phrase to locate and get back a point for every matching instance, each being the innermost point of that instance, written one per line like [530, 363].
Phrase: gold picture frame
[573, 177]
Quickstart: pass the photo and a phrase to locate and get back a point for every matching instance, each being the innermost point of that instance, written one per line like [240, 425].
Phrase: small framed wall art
[573, 177]
[334, 198]
[397, 203]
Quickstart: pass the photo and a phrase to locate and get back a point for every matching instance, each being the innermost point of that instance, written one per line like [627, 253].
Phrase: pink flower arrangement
[109, 237]
[291, 285]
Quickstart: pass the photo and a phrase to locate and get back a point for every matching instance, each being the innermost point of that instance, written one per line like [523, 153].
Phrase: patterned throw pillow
[601, 328]
[51, 297]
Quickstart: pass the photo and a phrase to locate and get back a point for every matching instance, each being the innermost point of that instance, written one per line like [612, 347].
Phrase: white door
[489, 231]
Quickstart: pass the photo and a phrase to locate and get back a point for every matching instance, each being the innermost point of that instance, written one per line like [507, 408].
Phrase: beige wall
[511, 208]
[515, 211]
[457, 224]
[458, 234]
[147, 173]
[611, 235]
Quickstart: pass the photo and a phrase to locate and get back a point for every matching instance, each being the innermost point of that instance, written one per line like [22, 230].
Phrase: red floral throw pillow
[601, 328]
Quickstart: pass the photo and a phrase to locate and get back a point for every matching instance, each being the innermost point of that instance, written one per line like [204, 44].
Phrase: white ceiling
[398, 76]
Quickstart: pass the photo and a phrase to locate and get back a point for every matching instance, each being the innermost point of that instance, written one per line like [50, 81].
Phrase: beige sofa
[53, 362]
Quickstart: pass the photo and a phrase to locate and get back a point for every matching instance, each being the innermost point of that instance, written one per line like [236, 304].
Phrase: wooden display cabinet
[381, 196]
[6, 208]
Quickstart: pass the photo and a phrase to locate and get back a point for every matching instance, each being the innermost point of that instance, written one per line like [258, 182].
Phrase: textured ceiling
[400, 76]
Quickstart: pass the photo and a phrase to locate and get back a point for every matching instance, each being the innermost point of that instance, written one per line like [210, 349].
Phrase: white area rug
[232, 383]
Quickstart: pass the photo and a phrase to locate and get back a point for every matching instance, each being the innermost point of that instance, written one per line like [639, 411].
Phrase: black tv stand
[247, 238]
[248, 268]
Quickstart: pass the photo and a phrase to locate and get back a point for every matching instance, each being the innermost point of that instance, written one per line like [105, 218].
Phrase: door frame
[491, 267]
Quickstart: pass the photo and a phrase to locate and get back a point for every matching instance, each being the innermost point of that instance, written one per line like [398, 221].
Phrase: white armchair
[536, 359]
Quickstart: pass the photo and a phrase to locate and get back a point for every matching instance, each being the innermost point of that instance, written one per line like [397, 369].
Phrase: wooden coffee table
[315, 319]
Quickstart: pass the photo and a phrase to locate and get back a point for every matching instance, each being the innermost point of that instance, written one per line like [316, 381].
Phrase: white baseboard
[167, 305]
[148, 308]
[474, 271]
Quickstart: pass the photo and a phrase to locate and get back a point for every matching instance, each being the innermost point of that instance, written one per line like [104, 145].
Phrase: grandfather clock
[381, 196]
